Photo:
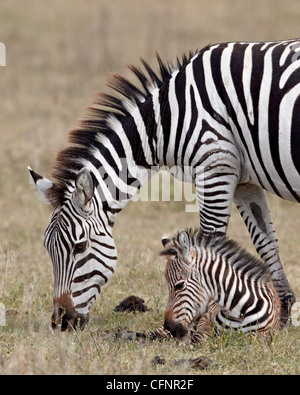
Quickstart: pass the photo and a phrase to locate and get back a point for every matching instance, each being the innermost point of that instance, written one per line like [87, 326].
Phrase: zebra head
[81, 247]
[185, 303]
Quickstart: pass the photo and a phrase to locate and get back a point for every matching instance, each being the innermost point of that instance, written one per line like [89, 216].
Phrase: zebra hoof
[286, 305]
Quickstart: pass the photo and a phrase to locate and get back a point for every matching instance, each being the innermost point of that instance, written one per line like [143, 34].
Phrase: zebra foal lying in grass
[214, 284]
[201, 269]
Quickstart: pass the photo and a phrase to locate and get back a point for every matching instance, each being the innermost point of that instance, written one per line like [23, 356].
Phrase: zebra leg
[159, 334]
[252, 204]
[206, 323]
[215, 190]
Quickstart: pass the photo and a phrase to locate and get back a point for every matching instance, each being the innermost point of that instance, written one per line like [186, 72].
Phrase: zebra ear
[42, 184]
[84, 187]
[185, 244]
[165, 241]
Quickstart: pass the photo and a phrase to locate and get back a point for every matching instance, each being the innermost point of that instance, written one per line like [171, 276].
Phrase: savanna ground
[58, 55]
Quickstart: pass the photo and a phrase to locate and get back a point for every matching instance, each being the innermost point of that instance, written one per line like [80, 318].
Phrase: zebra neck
[116, 188]
[118, 178]
[128, 156]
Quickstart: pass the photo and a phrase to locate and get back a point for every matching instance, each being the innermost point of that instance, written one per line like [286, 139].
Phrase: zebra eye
[80, 247]
[179, 285]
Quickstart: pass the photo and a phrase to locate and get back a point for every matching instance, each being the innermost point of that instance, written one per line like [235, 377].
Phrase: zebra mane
[237, 256]
[99, 115]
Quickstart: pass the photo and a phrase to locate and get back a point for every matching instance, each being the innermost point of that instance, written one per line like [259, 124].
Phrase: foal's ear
[42, 184]
[84, 187]
[165, 241]
[185, 244]
[170, 251]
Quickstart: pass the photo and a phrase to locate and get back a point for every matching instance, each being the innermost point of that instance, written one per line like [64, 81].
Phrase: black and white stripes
[204, 269]
[225, 116]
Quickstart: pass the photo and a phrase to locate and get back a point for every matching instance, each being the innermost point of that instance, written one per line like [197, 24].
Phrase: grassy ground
[57, 56]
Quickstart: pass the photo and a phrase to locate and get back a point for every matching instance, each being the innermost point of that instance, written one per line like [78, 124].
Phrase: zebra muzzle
[177, 330]
[65, 317]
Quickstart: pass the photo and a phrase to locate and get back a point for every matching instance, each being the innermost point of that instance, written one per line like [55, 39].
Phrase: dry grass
[58, 54]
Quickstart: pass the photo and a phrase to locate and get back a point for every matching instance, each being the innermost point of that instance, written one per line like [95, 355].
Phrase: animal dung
[200, 363]
[157, 360]
[131, 303]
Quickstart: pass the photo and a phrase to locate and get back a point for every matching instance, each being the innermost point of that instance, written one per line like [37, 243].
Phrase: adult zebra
[230, 109]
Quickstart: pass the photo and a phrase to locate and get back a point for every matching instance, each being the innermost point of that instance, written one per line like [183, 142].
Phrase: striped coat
[226, 117]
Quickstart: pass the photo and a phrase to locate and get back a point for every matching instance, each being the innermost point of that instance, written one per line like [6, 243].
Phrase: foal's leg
[206, 323]
[253, 206]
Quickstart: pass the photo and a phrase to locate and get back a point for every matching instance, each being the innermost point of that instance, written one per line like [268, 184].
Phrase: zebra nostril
[64, 324]
[69, 320]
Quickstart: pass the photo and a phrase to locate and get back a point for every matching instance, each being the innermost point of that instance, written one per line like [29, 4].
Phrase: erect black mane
[95, 124]
[230, 249]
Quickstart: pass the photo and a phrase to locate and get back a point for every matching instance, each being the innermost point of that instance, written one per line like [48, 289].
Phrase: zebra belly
[286, 188]
[262, 85]
[225, 322]
[270, 147]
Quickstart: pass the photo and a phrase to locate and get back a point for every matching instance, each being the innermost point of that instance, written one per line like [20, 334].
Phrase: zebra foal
[214, 283]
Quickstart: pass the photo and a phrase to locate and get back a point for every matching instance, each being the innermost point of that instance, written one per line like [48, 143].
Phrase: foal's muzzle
[66, 317]
[177, 330]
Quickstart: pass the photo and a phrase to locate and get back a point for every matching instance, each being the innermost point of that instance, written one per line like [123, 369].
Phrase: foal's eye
[80, 247]
[179, 285]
